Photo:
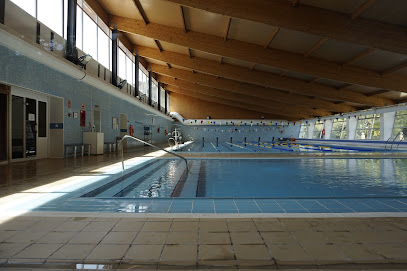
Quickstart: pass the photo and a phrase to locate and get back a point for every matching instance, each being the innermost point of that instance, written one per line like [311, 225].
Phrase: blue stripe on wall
[123, 130]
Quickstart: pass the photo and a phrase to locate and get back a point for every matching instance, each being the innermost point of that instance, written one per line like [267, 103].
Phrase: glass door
[17, 127]
[30, 127]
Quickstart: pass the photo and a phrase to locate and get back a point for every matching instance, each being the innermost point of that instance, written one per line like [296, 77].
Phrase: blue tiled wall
[19, 70]
[252, 133]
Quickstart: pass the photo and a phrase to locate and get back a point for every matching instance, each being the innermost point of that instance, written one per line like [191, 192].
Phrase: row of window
[368, 127]
[93, 37]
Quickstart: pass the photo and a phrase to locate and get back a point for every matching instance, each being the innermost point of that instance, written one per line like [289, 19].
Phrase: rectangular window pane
[129, 71]
[65, 18]
[50, 13]
[121, 65]
[90, 37]
[27, 5]
[103, 48]
[79, 36]
[368, 127]
[168, 102]
[154, 92]
[162, 98]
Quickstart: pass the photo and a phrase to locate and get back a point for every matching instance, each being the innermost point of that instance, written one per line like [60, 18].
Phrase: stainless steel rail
[142, 141]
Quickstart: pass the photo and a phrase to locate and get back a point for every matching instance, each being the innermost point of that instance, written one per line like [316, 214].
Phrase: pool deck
[67, 241]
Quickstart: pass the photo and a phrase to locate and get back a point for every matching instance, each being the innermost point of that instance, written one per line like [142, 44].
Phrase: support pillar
[71, 51]
[114, 56]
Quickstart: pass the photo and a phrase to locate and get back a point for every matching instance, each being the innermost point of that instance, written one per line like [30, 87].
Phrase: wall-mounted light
[122, 84]
[83, 60]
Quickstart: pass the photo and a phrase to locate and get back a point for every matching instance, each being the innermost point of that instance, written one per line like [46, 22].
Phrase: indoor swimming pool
[272, 147]
[310, 185]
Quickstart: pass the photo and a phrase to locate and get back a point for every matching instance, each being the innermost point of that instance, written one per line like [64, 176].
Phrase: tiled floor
[120, 241]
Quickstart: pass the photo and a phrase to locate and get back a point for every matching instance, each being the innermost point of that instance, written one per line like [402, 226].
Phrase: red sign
[69, 103]
[83, 118]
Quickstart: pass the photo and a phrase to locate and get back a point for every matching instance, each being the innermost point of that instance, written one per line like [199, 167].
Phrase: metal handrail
[391, 148]
[385, 145]
[142, 141]
[400, 142]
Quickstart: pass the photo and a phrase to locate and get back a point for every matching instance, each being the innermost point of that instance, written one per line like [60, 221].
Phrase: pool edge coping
[206, 215]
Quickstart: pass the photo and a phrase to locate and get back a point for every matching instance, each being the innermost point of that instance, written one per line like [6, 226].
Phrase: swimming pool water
[260, 178]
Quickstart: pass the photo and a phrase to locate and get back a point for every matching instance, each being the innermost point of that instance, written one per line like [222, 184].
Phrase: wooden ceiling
[293, 58]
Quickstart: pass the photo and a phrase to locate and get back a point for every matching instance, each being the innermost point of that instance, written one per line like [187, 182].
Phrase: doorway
[3, 126]
[29, 124]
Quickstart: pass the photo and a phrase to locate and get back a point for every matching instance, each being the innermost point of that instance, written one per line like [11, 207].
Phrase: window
[338, 129]
[154, 91]
[368, 127]
[129, 71]
[317, 133]
[162, 98]
[168, 102]
[103, 49]
[303, 130]
[122, 64]
[28, 6]
[90, 37]
[50, 13]
[79, 27]
[143, 83]
[400, 123]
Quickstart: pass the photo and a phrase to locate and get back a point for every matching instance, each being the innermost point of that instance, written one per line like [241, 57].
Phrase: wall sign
[83, 118]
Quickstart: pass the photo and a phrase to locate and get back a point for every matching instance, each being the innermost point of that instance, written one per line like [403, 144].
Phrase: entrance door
[42, 130]
[17, 127]
[29, 125]
[3, 126]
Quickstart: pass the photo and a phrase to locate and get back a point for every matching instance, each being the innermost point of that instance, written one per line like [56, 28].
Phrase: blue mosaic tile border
[220, 205]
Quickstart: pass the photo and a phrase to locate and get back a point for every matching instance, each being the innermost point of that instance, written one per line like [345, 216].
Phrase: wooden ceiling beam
[367, 4]
[275, 106]
[283, 73]
[261, 78]
[214, 100]
[360, 56]
[294, 3]
[253, 53]
[393, 69]
[251, 90]
[313, 80]
[183, 19]
[316, 46]
[141, 11]
[227, 28]
[376, 92]
[157, 42]
[271, 38]
[194, 91]
[309, 19]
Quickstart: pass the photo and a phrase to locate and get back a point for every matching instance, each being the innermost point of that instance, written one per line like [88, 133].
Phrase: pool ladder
[393, 141]
[149, 144]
